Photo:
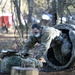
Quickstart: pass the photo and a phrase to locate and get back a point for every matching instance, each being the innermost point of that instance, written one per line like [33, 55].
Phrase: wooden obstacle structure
[24, 71]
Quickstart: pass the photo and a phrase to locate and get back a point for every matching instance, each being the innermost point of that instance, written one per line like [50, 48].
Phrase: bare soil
[8, 41]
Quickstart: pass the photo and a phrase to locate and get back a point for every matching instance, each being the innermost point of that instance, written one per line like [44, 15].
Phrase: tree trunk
[30, 8]
[54, 13]
[60, 8]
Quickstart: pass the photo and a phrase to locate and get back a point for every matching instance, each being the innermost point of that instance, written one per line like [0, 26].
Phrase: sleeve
[45, 44]
[29, 43]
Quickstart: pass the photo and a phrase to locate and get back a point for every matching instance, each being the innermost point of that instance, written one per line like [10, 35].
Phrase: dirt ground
[8, 41]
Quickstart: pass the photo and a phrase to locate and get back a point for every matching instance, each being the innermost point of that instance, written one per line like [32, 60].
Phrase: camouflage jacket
[47, 35]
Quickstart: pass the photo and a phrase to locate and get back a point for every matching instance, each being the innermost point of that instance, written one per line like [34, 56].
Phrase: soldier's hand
[26, 54]
[21, 54]
[37, 57]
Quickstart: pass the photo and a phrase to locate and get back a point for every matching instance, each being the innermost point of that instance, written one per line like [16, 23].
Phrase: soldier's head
[36, 29]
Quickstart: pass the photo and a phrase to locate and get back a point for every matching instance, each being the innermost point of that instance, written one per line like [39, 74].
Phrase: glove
[25, 54]
[37, 57]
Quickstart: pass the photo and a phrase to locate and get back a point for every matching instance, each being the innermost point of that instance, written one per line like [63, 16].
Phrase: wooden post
[24, 71]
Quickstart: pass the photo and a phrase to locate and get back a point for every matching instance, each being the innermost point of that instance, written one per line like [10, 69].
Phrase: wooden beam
[24, 71]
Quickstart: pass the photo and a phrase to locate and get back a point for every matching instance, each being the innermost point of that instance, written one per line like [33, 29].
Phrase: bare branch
[1, 1]
[4, 6]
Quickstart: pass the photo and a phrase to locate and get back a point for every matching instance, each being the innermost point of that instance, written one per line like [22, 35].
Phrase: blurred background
[17, 16]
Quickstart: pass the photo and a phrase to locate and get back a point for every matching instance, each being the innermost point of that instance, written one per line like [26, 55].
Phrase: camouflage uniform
[61, 48]
[8, 62]
[47, 35]
[10, 58]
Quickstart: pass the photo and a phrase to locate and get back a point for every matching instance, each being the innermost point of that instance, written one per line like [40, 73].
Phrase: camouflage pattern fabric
[47, 35]
[61, 49]
[8, 62]
[0, 65]
[31, 62]
[66, 46]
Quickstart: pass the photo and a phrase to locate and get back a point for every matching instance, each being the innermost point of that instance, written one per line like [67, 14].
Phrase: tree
[63, 8]
[54, 12]
[30, 8]
[19, 27]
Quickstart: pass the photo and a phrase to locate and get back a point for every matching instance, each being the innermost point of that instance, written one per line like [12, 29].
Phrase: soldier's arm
[29, 43]
[45, 44]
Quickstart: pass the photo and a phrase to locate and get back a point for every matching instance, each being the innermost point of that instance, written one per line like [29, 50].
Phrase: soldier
[61, 48]
[42, 35]
[9, 58]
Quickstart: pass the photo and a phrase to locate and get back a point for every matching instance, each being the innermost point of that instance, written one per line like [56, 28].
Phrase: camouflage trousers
[8, 62]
